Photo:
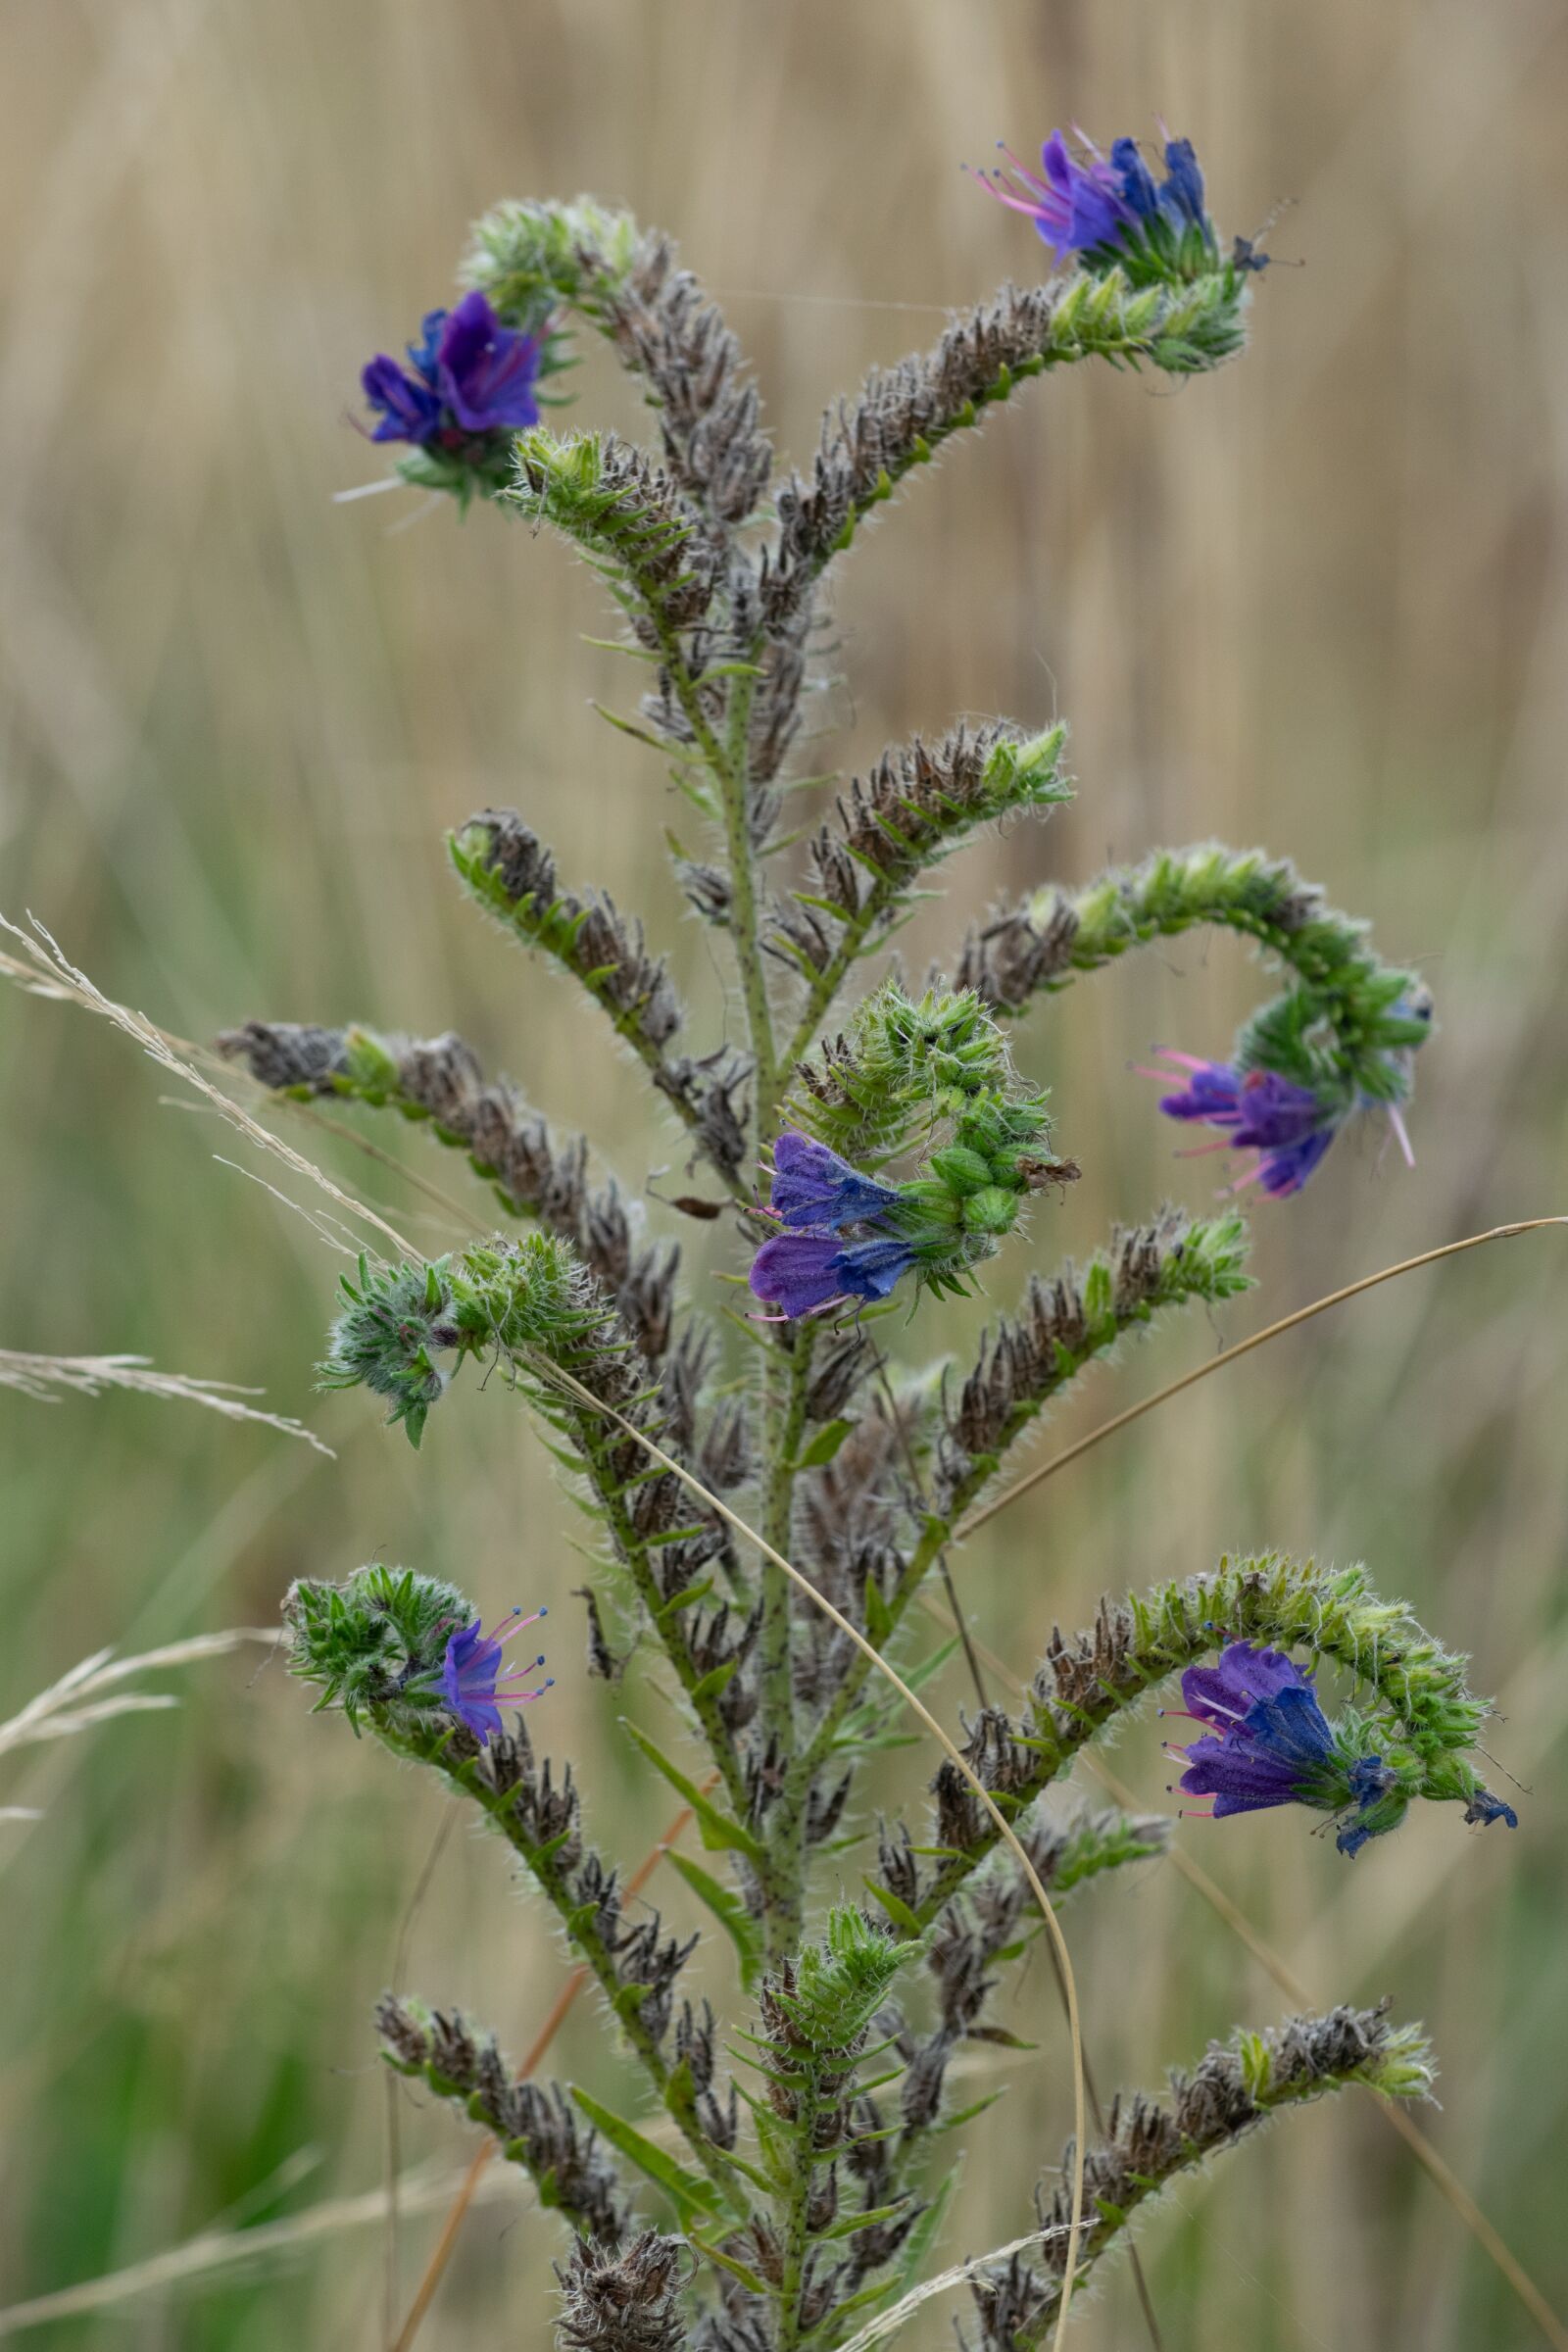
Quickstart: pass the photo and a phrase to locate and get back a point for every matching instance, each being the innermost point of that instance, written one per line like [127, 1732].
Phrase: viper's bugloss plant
[868, 1148]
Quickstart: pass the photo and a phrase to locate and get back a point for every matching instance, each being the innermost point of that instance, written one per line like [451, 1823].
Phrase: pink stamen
[1242, 1182]
[1396, 1122]
[1187, 1061]
[1192, 1813]
[1016, 204]
[1202, 1150]
[1023, 170]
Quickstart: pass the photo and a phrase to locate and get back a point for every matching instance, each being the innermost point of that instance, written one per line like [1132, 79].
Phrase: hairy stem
[824, 988]
[596, 1442]
[745, 931]
[1065, 1325]
[790, 1369]
[1155, 2142]
[435, 1748]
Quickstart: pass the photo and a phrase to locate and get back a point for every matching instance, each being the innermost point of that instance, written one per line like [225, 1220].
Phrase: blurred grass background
[1319, 603]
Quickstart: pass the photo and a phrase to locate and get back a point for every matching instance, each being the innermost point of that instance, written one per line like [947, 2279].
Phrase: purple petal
[813, 1186]
[486, 372]
[1236, 1776]
[1285, 1172]
[797, 1272]
[872, 1269]
[410, 410]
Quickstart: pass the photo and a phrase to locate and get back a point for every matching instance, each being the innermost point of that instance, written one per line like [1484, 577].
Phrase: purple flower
[1077, 204]
[486, 371]
[835, 1244]
[408, 410]
[814, 1187]
[1180, 195]
[473, 1681]
[1288, 1126]
[1073, 206]
[470, 374]
[1275, 1746]
[806, 1273]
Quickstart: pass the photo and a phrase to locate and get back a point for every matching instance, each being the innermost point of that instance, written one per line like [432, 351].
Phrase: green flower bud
[991, 1210]
[962, 1171]
[375, 1642]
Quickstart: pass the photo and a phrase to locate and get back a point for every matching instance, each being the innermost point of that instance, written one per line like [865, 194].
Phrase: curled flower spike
[469, 375]
[1288, 1126]
[473, 1681]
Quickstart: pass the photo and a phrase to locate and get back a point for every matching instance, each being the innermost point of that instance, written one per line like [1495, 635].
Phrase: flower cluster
[1266, 1742]
[836, 1245]
[401, 1647]
[404, 1330]
[1114, 213]
[1288, 1125]
[475, 1681]
[847, 1238]
[469, 384]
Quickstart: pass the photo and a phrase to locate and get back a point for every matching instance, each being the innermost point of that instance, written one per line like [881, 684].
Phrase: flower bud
[993, 1209]
[962, 1171]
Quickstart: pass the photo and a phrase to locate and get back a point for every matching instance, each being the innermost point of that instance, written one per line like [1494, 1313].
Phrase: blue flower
[473, 1681]
[1484, 1808]
[486, 371]
[1081, 206]
[1275, 1746]
[469, 375]
[807, 1273]
[1287, 1125]
[814, 1187]
[408, 410]
[1074, 206]
[836, 1245]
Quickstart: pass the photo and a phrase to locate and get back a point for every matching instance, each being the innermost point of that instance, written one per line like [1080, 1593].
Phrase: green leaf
[897, 1909]
[719, 1834]
[686, 1598]
[862, 2221]
[729, 1911]
[878, 1616]
[712, 1683]
[966, 2115]
[688, 2191]
[927, 2229]
[727, 2262]
[824, 1446]
[919, 1676]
